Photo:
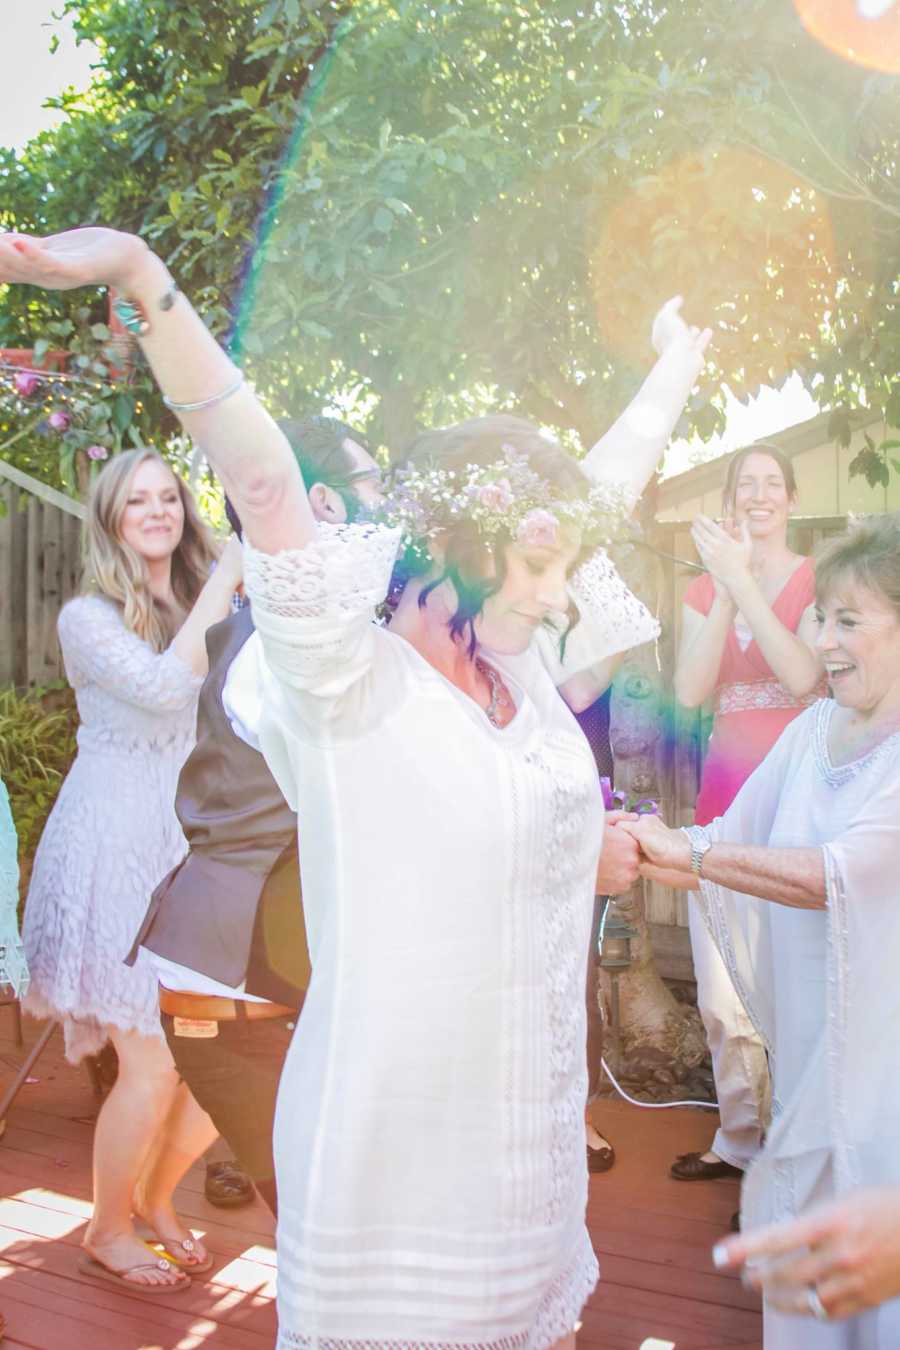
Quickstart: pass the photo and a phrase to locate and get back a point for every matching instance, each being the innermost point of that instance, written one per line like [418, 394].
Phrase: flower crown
[506, 497]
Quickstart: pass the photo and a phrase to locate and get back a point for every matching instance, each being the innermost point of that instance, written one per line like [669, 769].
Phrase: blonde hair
[118, 572]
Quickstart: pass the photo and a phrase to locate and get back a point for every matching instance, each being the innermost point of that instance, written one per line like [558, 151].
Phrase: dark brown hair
[475, 570]
[736, 462]
[869, 552]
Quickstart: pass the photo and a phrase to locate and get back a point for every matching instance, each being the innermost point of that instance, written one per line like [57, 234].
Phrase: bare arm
[786, 876]
[586, 687]
[249, 453]
[212, 604]
[700, 652]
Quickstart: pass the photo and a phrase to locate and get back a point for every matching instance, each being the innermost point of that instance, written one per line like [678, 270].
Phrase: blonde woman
[135, 654]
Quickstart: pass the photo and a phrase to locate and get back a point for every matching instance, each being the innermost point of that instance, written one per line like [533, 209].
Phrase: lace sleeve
[611, 619]
[98, 649]
[313, 607]
[13, 970]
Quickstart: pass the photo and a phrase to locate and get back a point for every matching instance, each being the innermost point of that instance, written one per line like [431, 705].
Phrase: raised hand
[670, 330]
[93, 256]
[725, 550]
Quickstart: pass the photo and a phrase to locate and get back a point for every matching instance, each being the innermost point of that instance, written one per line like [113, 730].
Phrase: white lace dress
[113, 832]
[429, 1139]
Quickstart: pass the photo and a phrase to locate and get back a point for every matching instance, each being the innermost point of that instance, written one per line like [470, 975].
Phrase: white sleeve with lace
[98, 649]
[313, 607]
[611, 619]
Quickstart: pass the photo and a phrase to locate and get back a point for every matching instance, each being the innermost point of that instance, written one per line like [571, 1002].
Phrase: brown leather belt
[213, 1008]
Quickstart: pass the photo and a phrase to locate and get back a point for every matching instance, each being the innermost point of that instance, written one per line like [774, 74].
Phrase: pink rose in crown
[496, 496]
[539, 529]
[26, 383]
[97, 452]
[59, 421]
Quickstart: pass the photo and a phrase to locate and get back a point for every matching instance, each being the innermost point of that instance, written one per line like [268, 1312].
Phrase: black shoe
[227, 1186]
[601, 1159]
[691, 1167]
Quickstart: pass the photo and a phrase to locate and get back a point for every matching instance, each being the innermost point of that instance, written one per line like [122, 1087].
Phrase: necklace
[498, 694]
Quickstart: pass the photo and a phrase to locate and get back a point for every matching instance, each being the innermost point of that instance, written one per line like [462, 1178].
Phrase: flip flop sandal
[163, 1248]
[96, 1270]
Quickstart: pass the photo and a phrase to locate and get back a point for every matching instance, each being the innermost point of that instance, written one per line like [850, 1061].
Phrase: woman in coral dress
[747, 642]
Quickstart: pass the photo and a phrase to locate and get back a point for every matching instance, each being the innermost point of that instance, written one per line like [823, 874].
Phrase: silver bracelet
[204, 402]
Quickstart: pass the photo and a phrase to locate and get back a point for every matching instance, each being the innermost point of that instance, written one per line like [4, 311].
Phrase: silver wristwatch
[700, 846]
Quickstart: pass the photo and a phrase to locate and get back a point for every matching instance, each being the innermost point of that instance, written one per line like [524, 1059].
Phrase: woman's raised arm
[199, 381]
[629, 453]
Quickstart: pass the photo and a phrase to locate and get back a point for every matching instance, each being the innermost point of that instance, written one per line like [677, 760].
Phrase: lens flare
[748, 243]
[866, 32]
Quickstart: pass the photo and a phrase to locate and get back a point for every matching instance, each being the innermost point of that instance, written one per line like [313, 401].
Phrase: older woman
[815, 833]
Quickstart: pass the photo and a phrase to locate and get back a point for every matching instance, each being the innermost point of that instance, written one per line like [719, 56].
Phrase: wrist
[143, 276]
[680, 360]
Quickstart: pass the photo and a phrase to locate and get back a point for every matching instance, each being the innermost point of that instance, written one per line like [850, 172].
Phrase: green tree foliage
[422, 210]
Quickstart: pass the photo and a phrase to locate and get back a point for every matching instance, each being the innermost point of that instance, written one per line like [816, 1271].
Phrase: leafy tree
[424, 210]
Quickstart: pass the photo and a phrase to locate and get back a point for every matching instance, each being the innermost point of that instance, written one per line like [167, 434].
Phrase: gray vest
[232, 908]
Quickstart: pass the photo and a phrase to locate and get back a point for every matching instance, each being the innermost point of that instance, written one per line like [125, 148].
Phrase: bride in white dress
[430, 1137]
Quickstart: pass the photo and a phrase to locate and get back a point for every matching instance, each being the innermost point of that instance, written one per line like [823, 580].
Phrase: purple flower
[26, 382]
[538, 529]
[97, 452]
[59, 421]
[496, 496]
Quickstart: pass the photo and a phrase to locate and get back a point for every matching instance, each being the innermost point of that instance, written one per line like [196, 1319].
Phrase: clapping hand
[60, 262]
[725, 551]
[670, 330]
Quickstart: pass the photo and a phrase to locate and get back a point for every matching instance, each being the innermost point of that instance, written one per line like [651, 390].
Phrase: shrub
[37, 745]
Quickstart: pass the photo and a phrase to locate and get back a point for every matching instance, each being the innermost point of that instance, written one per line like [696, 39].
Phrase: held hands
[618, 869]
[661, 848]
[60, 262]
[725, 551]
[671, 333]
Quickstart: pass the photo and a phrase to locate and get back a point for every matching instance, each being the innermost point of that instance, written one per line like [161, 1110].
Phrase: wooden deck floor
[652, 1235]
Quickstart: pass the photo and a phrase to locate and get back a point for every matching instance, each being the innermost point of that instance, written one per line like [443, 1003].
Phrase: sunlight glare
[868, 34]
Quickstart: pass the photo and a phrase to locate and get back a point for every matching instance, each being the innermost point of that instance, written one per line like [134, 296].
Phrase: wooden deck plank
[653, 1237]
[36, 1303]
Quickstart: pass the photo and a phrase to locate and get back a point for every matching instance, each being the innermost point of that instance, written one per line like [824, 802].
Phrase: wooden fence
[40, 569]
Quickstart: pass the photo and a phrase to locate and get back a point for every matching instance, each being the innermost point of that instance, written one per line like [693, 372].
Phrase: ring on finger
[815, 1305]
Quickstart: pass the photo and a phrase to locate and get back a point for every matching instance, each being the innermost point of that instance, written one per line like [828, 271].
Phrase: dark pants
[234, 1076]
